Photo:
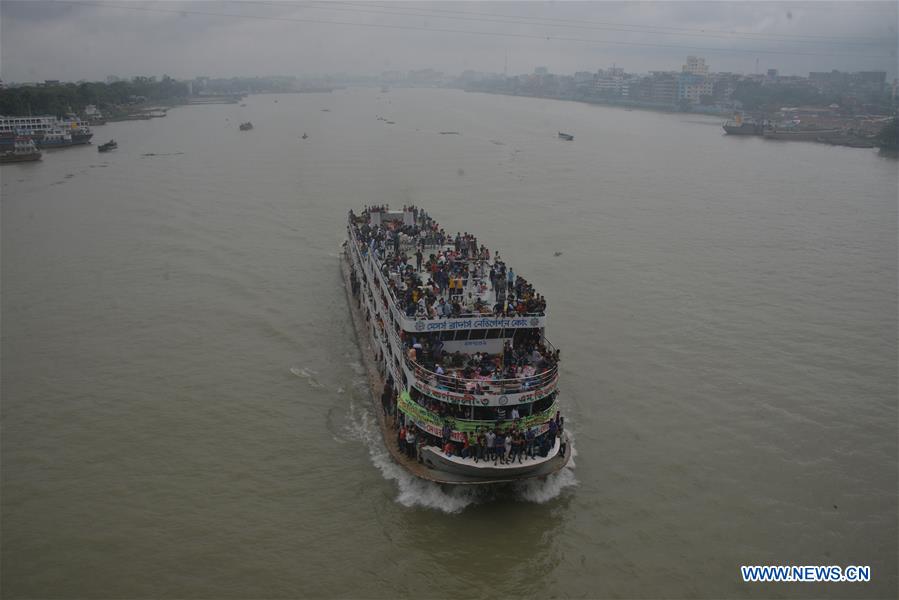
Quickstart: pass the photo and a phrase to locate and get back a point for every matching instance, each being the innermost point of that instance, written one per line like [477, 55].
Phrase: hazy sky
[43, 39]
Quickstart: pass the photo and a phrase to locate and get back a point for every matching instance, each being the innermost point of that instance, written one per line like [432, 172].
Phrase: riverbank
[653, 106]
[848, 137]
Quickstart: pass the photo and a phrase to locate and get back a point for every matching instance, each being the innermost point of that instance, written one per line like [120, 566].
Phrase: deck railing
[516, 385]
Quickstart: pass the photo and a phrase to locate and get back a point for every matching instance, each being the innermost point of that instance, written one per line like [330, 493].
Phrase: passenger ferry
[455, 347]
[47, 131]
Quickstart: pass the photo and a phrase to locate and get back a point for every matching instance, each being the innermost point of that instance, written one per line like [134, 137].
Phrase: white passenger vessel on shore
[454, 345]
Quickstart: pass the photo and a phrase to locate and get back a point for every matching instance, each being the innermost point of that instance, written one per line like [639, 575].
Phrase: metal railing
[517, 385]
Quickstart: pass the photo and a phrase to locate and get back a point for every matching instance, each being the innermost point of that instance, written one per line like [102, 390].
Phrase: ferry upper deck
[439, 282]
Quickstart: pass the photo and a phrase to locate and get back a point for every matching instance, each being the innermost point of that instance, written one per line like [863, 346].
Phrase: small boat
[110, 145]
[245, 126]
[566, 136]
[305, 135]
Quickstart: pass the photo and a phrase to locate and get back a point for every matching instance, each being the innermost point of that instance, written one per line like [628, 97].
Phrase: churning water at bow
[184, 411]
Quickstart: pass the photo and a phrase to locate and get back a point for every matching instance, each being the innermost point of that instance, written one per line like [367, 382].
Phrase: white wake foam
[419, 493]
[412, 491]
[308, 375]
[541, 491]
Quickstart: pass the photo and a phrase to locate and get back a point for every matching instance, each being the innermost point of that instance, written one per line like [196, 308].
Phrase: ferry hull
[744, 129]
[807, 135]
[437, 470]
[16, 158]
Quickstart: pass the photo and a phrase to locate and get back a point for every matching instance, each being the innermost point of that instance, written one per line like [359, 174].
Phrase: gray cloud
[89, 40]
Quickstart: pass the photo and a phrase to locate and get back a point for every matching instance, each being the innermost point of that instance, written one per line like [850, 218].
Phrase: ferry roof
[481, 301]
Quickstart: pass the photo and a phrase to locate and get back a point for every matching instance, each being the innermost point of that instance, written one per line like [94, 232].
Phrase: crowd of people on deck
[500, 443]
[522, 365]
[449, 282]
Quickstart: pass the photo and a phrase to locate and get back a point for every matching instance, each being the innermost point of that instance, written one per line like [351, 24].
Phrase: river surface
[184, 411]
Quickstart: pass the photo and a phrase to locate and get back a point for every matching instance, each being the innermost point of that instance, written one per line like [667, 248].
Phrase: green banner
[425, 417]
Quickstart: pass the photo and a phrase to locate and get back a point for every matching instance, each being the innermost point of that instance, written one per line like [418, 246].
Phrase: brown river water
[184, 412]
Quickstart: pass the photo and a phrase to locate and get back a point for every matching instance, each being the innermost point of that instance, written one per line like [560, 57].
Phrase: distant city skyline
[83, 40]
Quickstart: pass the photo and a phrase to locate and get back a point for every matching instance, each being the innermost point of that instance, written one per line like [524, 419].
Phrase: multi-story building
[693, 87]
[663, 88]
[611, 83]
[696, 66]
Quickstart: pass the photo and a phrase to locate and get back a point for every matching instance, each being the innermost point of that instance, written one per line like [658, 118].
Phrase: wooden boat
[566, 136]
[110, 145]
[23, 150]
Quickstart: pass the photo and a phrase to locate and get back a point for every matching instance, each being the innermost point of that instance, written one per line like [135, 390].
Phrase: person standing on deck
[410, 442]
[491, 444]
[482, 447]
[529, 442]
[418, 257]
[447, 432]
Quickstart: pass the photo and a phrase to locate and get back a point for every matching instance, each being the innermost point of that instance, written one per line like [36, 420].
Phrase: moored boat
[801, 135]
[566, 136]
[23, 150]
[456, 350]
[741, 126]
[110, 145]
[54, 138]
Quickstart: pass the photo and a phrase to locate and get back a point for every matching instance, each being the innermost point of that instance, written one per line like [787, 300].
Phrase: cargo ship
[455, 350]
[741, 126]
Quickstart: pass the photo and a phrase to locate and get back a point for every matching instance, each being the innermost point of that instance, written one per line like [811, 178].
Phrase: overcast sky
[42, 39]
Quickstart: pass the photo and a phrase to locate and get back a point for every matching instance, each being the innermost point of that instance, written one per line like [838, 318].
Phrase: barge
[463, 378]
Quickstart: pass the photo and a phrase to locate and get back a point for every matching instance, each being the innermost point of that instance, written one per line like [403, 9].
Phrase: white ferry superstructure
[456, 379]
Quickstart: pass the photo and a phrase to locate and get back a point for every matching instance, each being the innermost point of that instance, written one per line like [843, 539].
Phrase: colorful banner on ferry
[433, 424]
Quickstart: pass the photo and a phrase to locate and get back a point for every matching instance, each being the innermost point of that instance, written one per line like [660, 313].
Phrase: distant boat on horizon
[566, 136]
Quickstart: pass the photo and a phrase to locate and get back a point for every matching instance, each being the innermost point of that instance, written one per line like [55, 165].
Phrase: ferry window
[478, 334]
[492, 334]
